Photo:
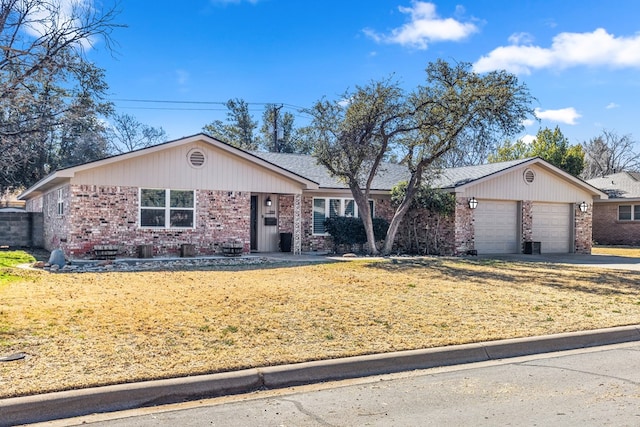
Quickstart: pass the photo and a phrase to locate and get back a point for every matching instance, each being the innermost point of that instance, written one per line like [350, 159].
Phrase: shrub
[349, 231]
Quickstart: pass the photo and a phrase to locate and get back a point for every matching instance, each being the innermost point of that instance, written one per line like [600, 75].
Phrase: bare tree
[128, 134]
[609, 153]
[45, 80]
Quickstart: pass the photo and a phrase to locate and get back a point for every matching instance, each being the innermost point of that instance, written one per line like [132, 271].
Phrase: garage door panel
[496, 227]
[552, 226]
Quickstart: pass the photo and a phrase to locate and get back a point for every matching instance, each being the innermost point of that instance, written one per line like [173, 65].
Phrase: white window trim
[167, 209]
[634, 208]
[327, 210]
[60, 202]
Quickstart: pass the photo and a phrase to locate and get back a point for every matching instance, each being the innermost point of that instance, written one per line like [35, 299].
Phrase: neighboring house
[616, 220]
[199, 191]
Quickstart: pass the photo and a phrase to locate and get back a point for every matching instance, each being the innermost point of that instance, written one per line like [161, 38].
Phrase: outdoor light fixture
[473, 203]
[583, 206]
[268, 201]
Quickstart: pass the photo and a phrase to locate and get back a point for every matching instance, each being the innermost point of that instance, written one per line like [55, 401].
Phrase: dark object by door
[285, 242]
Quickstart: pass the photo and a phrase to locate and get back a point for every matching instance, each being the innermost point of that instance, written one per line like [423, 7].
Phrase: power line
[166, 101]
[299, 110]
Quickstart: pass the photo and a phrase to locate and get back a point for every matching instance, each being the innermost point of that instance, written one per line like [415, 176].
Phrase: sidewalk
[45, 407]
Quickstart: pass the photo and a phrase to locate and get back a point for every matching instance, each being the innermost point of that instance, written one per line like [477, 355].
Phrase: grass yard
[81, 330]
[624, 251]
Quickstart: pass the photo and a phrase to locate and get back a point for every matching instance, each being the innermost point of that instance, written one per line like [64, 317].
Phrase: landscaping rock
[57, 258]
[159, 265]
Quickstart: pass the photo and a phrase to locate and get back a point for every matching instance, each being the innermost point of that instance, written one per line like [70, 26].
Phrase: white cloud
[611, 106]
[564, 115]
[528, 139]
[528, 122]
[520, 38]
[424, 27]
[598, 48]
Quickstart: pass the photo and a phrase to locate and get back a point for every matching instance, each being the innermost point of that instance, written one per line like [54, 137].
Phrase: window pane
[636, 212]
[371, 208]
[334, 208]
[152, 198]
[181, 199]
[152, 217]
[318, 216]
[181, 218]
[624, 213]
[349, 208]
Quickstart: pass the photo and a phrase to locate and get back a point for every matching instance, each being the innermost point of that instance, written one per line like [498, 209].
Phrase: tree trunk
[395, 224]
[362, 200]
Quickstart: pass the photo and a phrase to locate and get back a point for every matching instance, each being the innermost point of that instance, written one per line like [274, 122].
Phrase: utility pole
[276, 113]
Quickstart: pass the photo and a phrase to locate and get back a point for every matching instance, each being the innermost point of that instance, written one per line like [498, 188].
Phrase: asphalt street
[598, 386]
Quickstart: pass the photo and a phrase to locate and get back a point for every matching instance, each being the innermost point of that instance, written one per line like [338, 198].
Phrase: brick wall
[285, 213]
[527, 222]
[607, 230]
[424, 232]
[464, 226]
[583, 230]
[109, 216]
[21, 229]
[310, 242]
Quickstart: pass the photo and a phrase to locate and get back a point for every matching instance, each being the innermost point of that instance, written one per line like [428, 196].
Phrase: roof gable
[135, 157]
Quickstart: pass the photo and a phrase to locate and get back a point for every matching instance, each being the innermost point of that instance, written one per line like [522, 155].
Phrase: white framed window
[60, 202]
[166, 208]
[629, 213]
[324, 208]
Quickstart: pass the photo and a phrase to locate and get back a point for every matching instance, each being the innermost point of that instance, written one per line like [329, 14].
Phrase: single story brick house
[616, 220]
[202, 192]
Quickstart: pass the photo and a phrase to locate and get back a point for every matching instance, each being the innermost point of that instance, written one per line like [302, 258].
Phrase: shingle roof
[455, 177]
[624, 185]
[390, 174]
[308, 167]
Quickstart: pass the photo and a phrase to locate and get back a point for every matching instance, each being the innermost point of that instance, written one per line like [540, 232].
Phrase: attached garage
[552, 227]
[497, 226]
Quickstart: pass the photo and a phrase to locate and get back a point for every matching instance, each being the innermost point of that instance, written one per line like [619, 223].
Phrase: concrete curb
[67, 404]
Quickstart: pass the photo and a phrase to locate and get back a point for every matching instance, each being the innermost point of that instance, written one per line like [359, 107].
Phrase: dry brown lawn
[89, 329]
[617, 251]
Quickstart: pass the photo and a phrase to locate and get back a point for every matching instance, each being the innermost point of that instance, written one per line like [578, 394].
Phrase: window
[167, 208]
[629, 213]
[60, 204]
[324, 208]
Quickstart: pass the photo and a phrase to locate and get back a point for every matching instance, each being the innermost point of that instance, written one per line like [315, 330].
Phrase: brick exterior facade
[464, 227]
[608, 230]
[583, 230]
[97, 215]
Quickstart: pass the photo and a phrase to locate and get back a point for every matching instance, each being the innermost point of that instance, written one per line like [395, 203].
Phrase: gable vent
[197, 158]
[529, 176]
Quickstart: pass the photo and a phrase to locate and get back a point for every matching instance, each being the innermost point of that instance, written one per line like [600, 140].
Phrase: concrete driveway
[599, 261]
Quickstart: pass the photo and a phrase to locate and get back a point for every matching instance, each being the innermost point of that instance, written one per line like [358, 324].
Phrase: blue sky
[581, 60]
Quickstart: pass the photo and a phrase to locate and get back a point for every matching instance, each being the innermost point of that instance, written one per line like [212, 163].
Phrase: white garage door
[496, 227]
[552, 227]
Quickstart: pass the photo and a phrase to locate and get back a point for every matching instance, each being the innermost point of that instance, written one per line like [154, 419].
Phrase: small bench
[105, 251]
[232, 248]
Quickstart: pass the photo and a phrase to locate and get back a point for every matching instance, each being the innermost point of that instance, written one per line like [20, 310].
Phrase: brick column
[527, 223]
[583, 229]
[464, 226]
[297, 223]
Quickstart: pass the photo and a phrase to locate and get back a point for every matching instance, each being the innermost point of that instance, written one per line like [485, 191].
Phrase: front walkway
[599, 261]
